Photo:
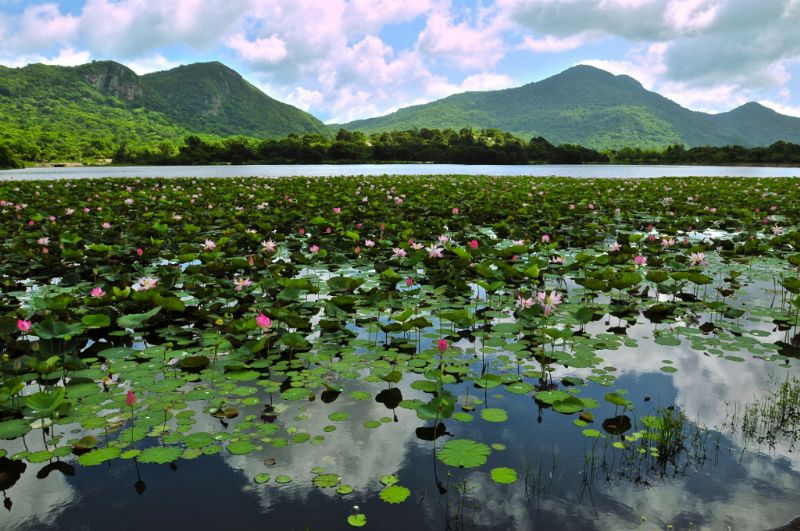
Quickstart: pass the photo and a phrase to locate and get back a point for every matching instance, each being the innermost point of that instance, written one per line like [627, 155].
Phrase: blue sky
[348, 59]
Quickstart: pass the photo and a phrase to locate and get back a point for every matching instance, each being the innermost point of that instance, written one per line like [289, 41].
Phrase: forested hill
[88, 111]
[588, 106]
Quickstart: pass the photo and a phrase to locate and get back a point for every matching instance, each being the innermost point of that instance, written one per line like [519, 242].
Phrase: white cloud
[305, 99]
[487, 81]
[153, 63]
[790, 110]
[467, 46]
[549, 43]
[264, 51]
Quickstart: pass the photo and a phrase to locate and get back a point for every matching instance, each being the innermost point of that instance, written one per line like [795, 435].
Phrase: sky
[348, 59]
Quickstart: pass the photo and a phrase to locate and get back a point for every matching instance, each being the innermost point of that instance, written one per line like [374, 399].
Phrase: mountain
[212, 98]
[588, 106]
[754, 121]
[51, 112]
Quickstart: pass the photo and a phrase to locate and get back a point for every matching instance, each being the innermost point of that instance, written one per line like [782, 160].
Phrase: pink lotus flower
[209, 245]
[98, 292]
[337, 210]
[697, 259]
[640, 260]
[399, 252]
[434, 251]
[517, 242]
[301, 230]
[268, 246]
[549, 302]
[242, 283]
[23, 325]
[444, 239]
[369, 243]
[409, 282]
[314, 248]
[667, 242]
[263, 321]
[442, 346]
[455, 211]
[777, 230]
[106, 225]
[139, 251]
[146, 283]
[614, 247]
[43, 241]
[130, 398]
[473, 244]
[523, 302]
[545, 238]
[557, 259]
[45, 250]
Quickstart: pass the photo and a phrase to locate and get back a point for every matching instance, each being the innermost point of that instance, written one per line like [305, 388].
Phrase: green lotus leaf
[160, 455]
[99, 456]
[394, 494]
[357, 520]
[493, 414]
[504, 475]
[463, 453]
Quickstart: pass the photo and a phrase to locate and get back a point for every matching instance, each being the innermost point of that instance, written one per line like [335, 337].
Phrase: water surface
[328, 170]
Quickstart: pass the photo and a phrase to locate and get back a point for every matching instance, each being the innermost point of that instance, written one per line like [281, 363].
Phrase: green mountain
[754, 121]
[88, 111]
[588, 106]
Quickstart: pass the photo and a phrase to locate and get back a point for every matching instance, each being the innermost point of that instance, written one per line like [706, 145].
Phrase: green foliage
[103, 110]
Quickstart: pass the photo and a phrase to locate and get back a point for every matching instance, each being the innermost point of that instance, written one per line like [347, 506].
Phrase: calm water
[327, 170]
[567, 481]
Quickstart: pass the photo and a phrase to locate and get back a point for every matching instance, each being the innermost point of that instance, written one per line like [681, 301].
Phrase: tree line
[465, 146]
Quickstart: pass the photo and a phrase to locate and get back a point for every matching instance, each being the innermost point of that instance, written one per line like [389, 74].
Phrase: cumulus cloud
[334, 57]
[468, 46]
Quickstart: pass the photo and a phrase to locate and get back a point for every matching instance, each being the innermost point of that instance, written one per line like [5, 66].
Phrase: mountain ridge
[588, 106]
[57, 112]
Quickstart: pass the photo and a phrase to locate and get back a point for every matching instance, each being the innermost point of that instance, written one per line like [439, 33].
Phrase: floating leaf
[463, 453]
[504, 475]
[160, 455]
[357, 520]
[494, 415]
[96, 457]
[394, 494]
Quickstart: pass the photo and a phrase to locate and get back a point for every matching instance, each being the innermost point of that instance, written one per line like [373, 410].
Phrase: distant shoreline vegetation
[448, 146]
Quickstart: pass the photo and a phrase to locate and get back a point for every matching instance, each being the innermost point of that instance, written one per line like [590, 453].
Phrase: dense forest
[466, 146]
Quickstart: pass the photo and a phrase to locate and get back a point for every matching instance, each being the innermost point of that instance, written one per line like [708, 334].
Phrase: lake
[328, 170]
[441, 353]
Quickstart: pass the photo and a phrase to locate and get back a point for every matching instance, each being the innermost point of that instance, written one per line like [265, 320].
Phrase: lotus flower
[268, 246]
[697, 259]
[549, 302]
[434, 251]
[263, 321]
[473, 244]
[98, 292]
[209, 245]
[242, 283]
[640, 260]
[23, 325]
[442, 346]
[130, 398]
